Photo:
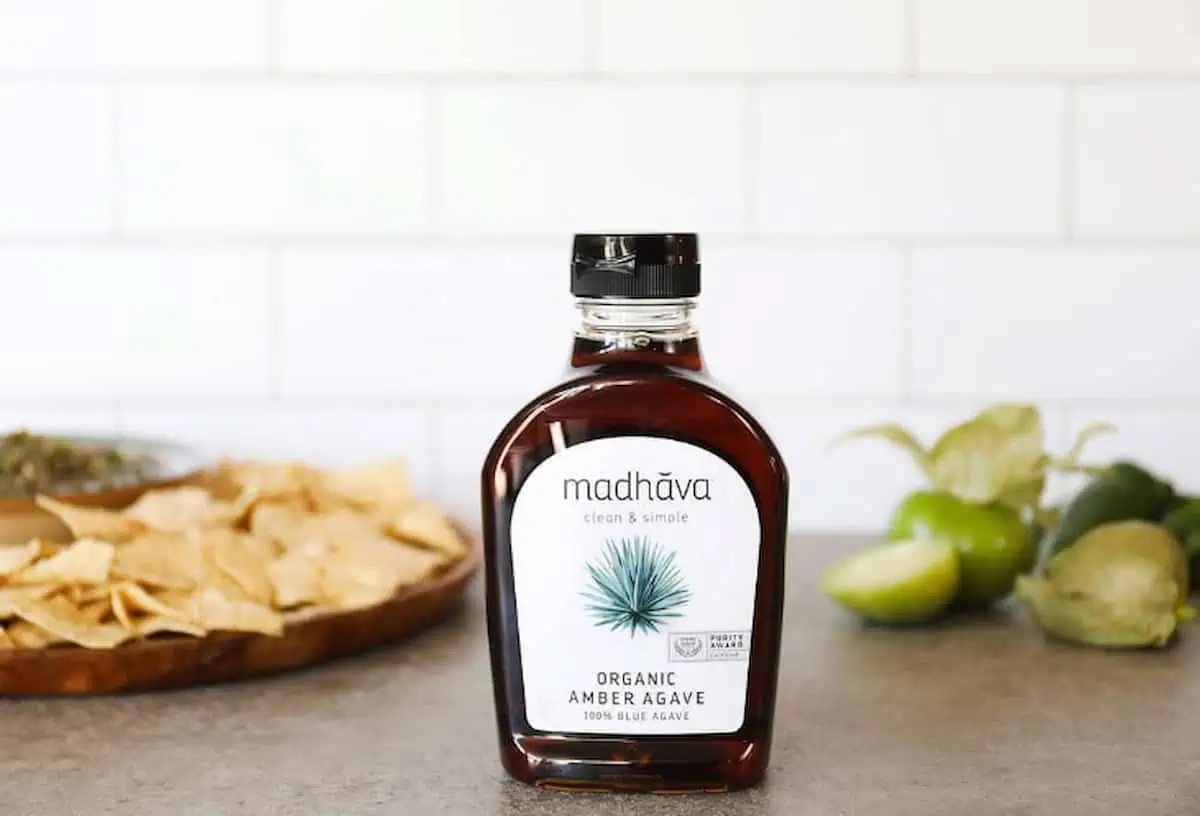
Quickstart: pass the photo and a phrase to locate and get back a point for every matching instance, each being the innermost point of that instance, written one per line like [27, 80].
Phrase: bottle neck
[653, 332]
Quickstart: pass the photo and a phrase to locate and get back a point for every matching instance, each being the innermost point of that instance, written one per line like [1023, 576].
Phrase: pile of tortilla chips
[262, 544]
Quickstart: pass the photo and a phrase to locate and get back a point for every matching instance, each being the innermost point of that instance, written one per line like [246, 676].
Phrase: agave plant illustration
[636, 586]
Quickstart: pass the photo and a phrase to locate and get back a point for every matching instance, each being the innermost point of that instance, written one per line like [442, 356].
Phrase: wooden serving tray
[179, 661]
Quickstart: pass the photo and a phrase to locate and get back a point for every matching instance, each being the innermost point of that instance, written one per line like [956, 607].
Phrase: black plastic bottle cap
[636, 266]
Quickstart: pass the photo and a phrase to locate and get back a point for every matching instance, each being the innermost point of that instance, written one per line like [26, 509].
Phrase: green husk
[1090, 621]
[1122, 585]
[997, 456]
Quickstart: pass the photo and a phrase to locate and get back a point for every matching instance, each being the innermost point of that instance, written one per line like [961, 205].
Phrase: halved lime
[901, 582]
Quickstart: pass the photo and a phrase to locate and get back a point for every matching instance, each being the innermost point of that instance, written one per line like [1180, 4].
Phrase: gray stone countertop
[971, 718]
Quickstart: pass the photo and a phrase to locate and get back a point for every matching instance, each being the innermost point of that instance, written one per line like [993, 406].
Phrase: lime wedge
[902, 582]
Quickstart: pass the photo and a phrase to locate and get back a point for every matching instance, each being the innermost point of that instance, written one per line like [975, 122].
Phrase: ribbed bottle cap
[636, 266]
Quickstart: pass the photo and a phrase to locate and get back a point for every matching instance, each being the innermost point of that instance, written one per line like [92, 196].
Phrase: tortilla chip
[345, 586]
[95, 611]
[365, 571]
[317, 532]
[119, 610]
[61, 619]
[88, 522]
[265, 480]
[322, 534]
[130, 598]
[27, 636]
[424, 524]
[182, 508]
[87, 561]
[161, 560]
[378, 486]
[215, 611]
[263, 548]
[278, 521]
[291, 529]
[306, 613]
[217, 578]
[174, 598]
[5, 640]
[8, 602]
[80, 594]
[341, 524]
[267, 536]
[295, 579]
[409, 564]
[244, 559]
[155, 624]
[10, 597]
[15, 559]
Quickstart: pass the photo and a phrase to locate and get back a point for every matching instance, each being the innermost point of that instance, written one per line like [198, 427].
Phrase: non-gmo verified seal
[706, 647]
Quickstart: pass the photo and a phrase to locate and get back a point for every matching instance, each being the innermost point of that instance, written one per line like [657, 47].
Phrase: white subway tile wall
[340, 230]
[422, 323]
[125, 35]
[829, 325]
[1137, 169]
[257, 158]
[58, 173]
[759, 36]
[908, 160]
[468, 36]
[534, 159]
[114, 323]
[1069, 37]
[1057, 323]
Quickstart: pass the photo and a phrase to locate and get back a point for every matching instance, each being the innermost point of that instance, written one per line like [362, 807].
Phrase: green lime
[901, 582]
[993, 543]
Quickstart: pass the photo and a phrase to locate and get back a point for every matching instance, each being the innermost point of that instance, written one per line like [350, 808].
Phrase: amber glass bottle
[635, 520]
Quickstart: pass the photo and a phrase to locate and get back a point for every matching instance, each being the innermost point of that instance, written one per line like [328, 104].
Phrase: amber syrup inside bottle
[635, 522]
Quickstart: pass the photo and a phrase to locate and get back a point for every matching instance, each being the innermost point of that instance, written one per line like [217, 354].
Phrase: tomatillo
[900, 582]
[994, 544]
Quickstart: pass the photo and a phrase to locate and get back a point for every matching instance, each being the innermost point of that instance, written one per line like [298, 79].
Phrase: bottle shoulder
[649, 384]
[656, 401]
[615, 393]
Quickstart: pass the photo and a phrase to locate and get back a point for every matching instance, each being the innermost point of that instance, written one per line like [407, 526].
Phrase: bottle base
[618, 766]
[634, 785]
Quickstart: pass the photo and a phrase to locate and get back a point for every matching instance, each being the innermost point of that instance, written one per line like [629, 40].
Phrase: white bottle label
[635, 562]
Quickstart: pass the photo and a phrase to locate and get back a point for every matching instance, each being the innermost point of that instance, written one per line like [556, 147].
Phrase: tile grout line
[592, 16]
[119, 409]
[435, 170]
[1062, 414]
[906, 328]
[751, 167]
[426, 240]
[113, 403]
[437, 472]
[276, 293]
[1070, 102]
[911, 39]
[866, 77]
[273, 11]
[118, 214]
